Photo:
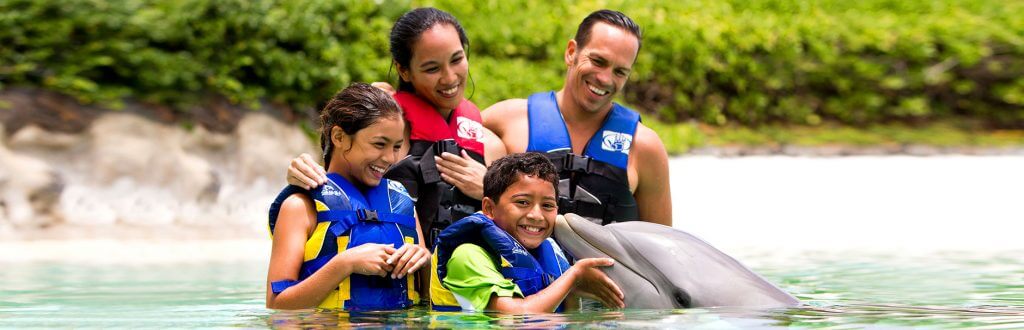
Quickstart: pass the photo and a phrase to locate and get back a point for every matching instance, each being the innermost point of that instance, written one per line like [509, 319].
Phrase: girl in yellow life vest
[353, 242]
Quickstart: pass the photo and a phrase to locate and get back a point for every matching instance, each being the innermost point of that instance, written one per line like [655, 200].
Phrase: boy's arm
[548, 299]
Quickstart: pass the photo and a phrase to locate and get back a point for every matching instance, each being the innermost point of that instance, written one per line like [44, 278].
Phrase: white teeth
[377, 168]
[450, 91]
[598, 91]
[533, 229]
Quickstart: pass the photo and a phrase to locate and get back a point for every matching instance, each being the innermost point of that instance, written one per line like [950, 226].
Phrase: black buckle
[447, 196]
[464, 209]
[566, 205]
[576, 163]
[447, 145]
[367, 215]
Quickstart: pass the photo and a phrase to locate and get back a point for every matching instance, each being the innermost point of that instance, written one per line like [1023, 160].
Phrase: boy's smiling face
[526, 210]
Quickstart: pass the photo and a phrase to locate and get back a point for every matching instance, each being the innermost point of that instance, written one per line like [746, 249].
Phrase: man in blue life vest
[612, 167]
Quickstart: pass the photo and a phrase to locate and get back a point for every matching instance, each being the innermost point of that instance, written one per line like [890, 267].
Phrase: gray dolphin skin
[659, 267]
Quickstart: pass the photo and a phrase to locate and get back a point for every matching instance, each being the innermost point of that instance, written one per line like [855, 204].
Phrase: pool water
[846, 289]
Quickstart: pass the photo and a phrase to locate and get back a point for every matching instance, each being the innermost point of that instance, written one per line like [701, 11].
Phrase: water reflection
[838, 289]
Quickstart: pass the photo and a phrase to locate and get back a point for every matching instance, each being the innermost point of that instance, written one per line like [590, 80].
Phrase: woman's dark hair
[410, 27]
[506, 170]
[354, 108]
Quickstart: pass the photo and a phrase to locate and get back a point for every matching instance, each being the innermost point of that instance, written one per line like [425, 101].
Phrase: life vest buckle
[446, 145]
[566, 205]
[576, 163]
[367, 215]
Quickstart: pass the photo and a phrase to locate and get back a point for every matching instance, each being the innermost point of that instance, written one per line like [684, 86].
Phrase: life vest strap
[444, 308]
[279, 286]
[345, 219]
[519, 272]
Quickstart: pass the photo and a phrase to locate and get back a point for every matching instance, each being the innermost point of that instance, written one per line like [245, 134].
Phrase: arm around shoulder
[653, 192]
[496, 117]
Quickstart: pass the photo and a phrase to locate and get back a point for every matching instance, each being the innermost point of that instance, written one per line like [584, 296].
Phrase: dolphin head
[662, 267]
[582, 238]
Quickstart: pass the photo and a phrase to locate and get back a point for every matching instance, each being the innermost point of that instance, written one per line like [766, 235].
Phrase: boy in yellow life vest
[502, 259]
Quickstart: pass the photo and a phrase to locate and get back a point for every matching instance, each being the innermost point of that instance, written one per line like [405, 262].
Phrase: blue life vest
[531, 271]
[346, 218]
[596, 184]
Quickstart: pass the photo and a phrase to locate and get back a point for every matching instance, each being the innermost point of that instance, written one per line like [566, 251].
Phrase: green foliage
[175, 52]
[792, 62]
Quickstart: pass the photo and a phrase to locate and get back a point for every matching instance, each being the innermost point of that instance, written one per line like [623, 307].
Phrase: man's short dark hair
[506, 171]
[607, 16]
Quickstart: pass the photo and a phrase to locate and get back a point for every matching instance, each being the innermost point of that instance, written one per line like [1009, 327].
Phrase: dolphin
[660, 267]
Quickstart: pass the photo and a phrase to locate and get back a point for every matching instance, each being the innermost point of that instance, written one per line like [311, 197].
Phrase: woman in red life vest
[448, 145]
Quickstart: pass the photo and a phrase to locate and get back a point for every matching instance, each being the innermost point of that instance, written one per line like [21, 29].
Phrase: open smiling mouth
[449, 92]
[598, 91]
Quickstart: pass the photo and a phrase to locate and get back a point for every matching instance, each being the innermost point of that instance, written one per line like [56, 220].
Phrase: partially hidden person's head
[361, 133]
[429, 48]
[520, 194]
[600, 58]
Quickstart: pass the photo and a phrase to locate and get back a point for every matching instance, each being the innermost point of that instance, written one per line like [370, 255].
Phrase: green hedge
[747, 62]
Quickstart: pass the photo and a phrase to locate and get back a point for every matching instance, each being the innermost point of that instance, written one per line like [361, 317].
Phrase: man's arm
[509, 121]
[653, 194]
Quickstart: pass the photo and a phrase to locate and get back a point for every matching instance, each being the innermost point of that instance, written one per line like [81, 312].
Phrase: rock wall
[127, 171]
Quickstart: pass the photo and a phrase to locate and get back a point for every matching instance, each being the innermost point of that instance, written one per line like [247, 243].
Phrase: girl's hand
[463, 172]
[368, 259]
[408, 259]
[306, 173]
[593, 283]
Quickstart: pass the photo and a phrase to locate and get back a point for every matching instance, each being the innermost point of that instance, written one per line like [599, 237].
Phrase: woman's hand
[408, 259]
[384, 86]
[368, 259]
[306, 173]
[463, 172]
[594, 284]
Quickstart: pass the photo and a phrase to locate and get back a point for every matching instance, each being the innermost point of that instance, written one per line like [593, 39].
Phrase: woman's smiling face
[439, 67]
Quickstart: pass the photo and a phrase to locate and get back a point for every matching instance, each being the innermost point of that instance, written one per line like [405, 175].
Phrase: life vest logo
[330, 190]
[616, 142]
[469, 129]
[397, 187]
[520, 250]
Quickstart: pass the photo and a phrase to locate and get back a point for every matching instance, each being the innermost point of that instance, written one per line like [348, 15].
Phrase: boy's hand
[593, 283]
[408, 259]
[306, 173]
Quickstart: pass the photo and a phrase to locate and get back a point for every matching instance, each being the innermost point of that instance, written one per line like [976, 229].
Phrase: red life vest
[464, 125]
[438, 204]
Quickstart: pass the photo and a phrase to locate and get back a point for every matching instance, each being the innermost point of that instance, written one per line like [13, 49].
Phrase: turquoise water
[839, 289]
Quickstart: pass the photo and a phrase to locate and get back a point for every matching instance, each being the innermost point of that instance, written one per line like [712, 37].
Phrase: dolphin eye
[682, 299]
